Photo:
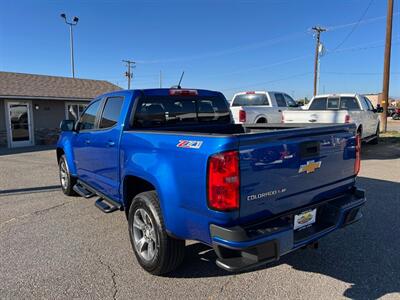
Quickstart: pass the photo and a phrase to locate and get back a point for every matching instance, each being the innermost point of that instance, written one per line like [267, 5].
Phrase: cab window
[289, 101]
[318, 104]
[111, 112]
[280, 100]
[250, 100]
[88, 118]
[333, 103]
[349, 103]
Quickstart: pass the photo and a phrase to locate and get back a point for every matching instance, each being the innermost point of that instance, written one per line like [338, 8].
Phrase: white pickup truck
[340, 108]
[260, 107]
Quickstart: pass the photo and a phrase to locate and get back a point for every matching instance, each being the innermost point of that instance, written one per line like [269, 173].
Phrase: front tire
[155, 250]
[67, 181]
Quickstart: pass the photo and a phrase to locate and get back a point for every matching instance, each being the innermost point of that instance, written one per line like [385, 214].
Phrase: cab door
[373, 117]
[105, 148]
[82, 143]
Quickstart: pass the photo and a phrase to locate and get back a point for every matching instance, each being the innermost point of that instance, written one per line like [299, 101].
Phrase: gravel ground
[58, 247]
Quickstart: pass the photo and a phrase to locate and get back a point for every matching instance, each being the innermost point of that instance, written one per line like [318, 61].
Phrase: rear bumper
[243, 247]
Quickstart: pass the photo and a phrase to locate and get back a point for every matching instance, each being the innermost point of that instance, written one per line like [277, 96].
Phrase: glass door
[19, 124]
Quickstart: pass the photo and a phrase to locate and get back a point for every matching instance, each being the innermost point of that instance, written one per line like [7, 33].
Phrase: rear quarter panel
[179, 176]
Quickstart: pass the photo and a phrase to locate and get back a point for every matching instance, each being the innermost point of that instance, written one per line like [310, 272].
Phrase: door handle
[87, 142]
[312, 120]
[110, 144]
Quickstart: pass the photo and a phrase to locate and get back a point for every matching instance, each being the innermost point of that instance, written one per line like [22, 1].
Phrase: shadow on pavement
[36, 189]
[364, 255]
[381, 151]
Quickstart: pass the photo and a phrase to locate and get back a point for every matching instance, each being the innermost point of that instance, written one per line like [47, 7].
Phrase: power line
[266, 82]
[354, 27]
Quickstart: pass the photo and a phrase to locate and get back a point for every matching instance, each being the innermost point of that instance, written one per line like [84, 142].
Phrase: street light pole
[71, 39]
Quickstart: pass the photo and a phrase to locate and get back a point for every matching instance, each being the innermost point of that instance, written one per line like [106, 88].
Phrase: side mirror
[379, 110]
[67, 125]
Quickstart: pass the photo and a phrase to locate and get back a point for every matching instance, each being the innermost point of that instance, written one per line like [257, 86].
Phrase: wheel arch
[261, 119]
[68, 156]
[133, 185]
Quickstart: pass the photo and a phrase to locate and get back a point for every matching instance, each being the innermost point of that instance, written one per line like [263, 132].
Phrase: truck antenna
[180, 80]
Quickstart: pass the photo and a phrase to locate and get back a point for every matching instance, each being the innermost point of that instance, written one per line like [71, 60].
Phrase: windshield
[250, 100]
[160, 111]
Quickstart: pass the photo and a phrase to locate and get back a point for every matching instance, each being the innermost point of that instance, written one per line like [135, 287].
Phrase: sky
[224, 45]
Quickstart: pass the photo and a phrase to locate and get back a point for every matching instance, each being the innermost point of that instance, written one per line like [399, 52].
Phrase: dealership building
[32, 106]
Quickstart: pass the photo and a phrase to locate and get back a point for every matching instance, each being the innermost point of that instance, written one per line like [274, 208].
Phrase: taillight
[180, 92]
[347, 119]
[357, 163]
[242, 116]
[223, 181]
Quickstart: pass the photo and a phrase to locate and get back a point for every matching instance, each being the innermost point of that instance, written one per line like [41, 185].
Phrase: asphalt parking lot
[57, 247]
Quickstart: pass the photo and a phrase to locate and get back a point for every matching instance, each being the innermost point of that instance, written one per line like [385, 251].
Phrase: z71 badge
[189, 144]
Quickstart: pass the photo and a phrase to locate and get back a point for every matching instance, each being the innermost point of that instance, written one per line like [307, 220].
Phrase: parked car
[260, 107]
[340, 108]
[391, 111]
[396, 114]
[173, 160]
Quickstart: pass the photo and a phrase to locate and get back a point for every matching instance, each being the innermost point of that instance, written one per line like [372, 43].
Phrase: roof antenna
[179, 84]
[180, 80]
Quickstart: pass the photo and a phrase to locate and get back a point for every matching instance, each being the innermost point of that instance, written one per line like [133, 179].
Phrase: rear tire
[67, 181]
[155, 250]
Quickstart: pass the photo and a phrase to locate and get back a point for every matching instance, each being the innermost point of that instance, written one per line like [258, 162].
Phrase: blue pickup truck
[179, 167]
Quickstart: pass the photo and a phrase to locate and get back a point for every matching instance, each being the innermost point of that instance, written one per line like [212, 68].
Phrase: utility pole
[160, 79]
[71, 39]
[386, 68]
[130, 65]
[318, 30]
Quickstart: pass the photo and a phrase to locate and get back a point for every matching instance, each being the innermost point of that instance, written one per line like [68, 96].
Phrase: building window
[73, 111]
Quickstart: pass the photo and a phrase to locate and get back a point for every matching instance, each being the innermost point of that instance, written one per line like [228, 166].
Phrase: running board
[105, 206]
[81, 191]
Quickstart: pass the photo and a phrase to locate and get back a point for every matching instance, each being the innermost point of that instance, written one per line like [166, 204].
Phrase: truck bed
[271, 156]
[243, 129]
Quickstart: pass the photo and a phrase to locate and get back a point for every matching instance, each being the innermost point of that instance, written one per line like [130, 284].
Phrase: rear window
[335, 103]
[318, 104]
[250, 100]
[169, 111]
[349, 103]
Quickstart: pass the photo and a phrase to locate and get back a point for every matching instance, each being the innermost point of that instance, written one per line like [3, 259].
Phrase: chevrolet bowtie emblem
[310, 167]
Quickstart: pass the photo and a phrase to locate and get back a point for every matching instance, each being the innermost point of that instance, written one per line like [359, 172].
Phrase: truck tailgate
[314, 116]
[288, 169]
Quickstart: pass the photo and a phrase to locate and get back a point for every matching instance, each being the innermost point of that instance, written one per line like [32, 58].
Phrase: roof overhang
[44, 98]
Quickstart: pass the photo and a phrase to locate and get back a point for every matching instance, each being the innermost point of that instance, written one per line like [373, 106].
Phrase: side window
[289, 101]
[370, 105]
[333, 103]
[280, 100]
[318, 104]
[111, 112]
[349, 103]
[88, 119]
